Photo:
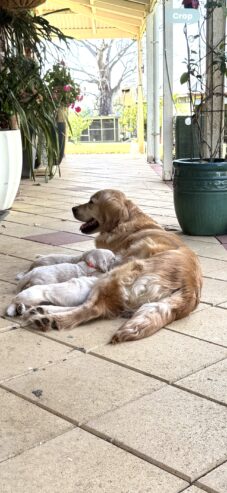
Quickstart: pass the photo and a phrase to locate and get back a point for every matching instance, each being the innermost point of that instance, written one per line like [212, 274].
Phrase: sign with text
[185, 16]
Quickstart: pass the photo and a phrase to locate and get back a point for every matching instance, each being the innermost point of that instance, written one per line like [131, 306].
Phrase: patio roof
[86, 19]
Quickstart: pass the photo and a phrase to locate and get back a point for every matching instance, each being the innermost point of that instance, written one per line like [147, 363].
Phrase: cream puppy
[88, 264]
[64, 294]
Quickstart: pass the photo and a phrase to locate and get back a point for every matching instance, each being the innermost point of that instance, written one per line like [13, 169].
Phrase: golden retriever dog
[158, 282]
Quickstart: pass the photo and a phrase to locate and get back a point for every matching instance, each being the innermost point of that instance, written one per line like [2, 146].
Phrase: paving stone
[88, 336]
[26, 249]
[35, 209]
[72, 226]
[22, 351]
[180, 431]
[10, 266]
[193, 489]
[209, 324]
[216, 480]
[6, 324]
[82, 463]
[20, 230]
[82, 245]
[207, 249]
[24, 425]
[213, 291]
[214, 268]
[57, 238]
[7, 291]
[210, 382]
[84, 386]
[223, 305]
[166, 354]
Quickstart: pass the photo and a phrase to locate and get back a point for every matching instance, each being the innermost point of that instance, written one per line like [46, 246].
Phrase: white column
[140, 116]
[167, 94]
[156, 85]
[150, 88]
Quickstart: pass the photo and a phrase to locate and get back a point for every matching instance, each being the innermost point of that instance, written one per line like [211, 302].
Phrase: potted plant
[200, 183]
[25, 100]
[66, 94]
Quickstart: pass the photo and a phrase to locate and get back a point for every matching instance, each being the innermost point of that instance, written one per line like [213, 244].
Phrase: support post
[156, 86]
[167, 94]
[140, 117]
[150, 88]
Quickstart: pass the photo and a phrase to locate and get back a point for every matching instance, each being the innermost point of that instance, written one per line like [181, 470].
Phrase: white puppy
[47, 284]
[65, 294]
[87, 264]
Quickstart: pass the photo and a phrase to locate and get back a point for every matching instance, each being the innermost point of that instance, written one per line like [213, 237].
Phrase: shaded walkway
[160, 402]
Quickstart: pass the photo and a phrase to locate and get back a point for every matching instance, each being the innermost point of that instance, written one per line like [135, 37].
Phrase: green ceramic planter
[200, 196]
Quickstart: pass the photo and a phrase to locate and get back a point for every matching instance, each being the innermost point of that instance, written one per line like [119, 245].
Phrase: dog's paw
[34, 310]
[15, 309]
[43, 322]
[125, 334]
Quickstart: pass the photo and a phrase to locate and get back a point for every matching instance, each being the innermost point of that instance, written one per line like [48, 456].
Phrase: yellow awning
[86, 19]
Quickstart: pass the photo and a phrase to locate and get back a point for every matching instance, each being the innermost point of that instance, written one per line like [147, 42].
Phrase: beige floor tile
[24, 426]
[209, 324]
[88, 336]
[210, 382]
[7, 291]
[223, 305]
[22, 351]
[35, 209]
[80, 462]
[10, 266]
[214, 268]
[21, 230]
[84, 386]
[166, 354]
[6, 324]
[215, 480]
[213, 291]
[43, 222]
[193, 489]
[207, 249]
[83, 246]
[27, 249]
[181, 431]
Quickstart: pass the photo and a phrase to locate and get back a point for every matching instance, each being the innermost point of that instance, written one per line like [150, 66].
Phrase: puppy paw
[34, 310]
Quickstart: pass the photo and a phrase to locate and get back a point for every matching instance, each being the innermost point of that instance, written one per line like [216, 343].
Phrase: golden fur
[158, 282]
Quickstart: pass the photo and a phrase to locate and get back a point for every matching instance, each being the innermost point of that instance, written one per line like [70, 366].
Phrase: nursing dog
[158, 282]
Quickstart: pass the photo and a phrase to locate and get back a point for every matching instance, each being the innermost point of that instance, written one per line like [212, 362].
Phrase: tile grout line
[91, 431]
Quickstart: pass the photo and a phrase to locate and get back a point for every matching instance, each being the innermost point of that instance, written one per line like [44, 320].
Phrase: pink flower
[77, 109]
[79, 98]
[67, 88]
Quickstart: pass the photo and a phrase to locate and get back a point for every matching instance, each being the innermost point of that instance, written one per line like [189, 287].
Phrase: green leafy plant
[24, 96]
[206, 69]
[78, 123]
[65, 91]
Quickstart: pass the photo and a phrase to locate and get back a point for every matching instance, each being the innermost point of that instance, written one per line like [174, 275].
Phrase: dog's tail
[151, 317]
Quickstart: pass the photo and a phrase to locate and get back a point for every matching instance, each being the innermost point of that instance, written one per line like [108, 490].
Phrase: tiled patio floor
[81, 416]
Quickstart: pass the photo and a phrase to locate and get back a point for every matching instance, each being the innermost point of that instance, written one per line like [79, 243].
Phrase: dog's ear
[114, 212]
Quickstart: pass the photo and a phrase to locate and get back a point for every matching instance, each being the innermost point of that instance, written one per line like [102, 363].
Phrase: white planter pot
[10, 166]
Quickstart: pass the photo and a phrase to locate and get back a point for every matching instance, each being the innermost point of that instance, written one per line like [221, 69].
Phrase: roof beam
[93, 21]
[130, 14]
[129, 6]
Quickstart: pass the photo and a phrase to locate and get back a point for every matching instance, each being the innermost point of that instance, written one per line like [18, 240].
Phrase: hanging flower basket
[20, 4]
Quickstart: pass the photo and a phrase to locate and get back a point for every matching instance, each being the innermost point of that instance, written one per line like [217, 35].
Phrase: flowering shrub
[65, 91]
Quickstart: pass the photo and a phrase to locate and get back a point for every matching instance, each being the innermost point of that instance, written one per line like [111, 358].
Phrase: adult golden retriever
[158, 282]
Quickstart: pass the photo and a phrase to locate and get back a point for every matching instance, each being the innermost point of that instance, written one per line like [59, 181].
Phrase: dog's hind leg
[151, 317]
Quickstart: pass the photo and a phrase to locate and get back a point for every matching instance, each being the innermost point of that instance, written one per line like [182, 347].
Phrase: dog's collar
[90, 264]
